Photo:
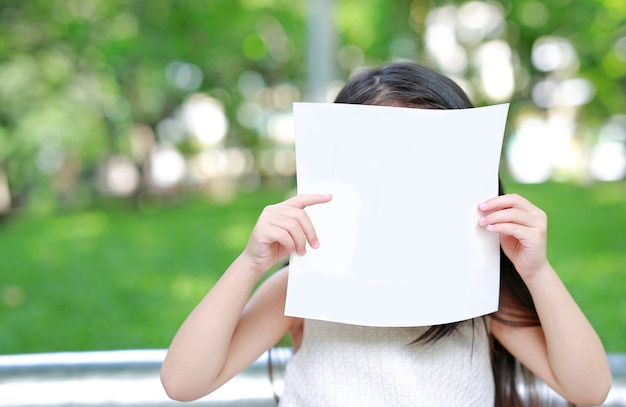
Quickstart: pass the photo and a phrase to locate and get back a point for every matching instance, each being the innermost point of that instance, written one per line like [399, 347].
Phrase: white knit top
[348, 365]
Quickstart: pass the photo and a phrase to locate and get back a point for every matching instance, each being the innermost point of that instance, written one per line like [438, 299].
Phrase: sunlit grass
[119, 278]
[114, 278]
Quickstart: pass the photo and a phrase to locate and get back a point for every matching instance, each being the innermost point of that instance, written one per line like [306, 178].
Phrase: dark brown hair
[413, 85]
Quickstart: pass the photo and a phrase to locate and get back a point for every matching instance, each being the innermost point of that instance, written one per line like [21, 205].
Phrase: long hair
[412, 85]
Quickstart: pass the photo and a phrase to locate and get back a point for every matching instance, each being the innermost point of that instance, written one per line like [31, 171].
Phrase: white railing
[131, 378]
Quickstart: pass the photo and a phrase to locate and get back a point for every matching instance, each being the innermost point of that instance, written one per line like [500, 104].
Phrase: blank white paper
[400, 241]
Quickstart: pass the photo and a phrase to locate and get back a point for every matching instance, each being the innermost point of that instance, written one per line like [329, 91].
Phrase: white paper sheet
[400, 241]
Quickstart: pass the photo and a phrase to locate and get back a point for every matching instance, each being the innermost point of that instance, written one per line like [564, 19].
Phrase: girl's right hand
[282, 229]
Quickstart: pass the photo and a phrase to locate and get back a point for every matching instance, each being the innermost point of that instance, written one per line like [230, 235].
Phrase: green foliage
[78, 76]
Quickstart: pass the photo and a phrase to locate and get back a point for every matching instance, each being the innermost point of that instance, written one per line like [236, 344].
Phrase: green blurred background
[139, 140]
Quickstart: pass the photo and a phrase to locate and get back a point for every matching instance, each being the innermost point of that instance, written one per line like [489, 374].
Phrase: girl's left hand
[522, 228]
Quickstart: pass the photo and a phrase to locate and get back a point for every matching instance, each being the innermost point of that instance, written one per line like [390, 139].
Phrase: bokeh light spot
[184, 75]
[608, 161]
[204, 118]
[168, 167]
[119, 177]
[553, 53]
[527, 152]
[254, 47]
[13, 296]
[534, 14]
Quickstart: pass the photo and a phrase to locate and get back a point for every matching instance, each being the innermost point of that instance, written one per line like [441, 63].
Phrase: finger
[507, 201]
[511, 215]
[294, 220]
[304, 200]
[295, 230]
[284, 210]
[521, 233]
[282, 237]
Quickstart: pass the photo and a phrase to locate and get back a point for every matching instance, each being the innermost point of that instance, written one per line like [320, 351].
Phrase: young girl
[469, 363]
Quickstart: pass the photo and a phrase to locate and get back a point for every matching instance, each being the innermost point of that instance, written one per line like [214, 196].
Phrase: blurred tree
[79, 77]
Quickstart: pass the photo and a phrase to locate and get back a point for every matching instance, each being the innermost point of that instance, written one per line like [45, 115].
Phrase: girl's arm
[565, 350]
[228, 329]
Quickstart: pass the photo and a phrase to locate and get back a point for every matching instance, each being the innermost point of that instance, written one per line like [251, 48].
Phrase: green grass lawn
[116, 278]
[119, 278]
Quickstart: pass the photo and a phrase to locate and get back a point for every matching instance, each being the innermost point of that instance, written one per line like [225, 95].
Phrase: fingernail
[481, 221]
[315, 244]
[482, 205]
